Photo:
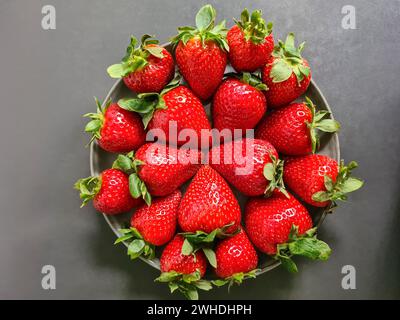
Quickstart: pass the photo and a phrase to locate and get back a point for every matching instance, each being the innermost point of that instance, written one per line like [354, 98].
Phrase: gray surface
[48, 79]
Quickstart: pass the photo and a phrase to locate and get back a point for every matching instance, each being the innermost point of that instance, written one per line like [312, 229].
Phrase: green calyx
[306, 245]
[289, 60]
[187, 284]
[253, 79]
[128, 164]
[137, 246]
[344, 184]
[253, 26]
[319, 123]
[88, 188]
[199, 240]
[145, 104]
[236, 278]
[96, 120]
[205, 29]
[273, 172]
[136, 57]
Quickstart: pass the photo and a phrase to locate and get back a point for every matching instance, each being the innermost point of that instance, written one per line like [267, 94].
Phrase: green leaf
[173, 286]
[351, 184]
[136, 246]
[192, 294]
[269, 171]
[203, 285]
[168, 276]
[116, 70]
[135, 185]
[205, 17]
[123, 238]
[328, 183]
[93, 125]
[211, 257]
[191, 277]
[122, 163]
[328, 125]
[139, 105]
[321, 196]
[311, 248]
[156, 51]
[187, 248]
[280, 71]
[146, 118]
[304, 70]
[219, 282]
[288, 264]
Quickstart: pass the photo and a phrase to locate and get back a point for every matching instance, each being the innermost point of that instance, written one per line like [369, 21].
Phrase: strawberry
[157, 169]
[174, 104]
[201, 52]
[208, 204]
[236, 260]
[250, 42]
[281, 226]
[293, 129]
[239, 103]
[109, 192]
[319, 180]
[183, 272]
[147, 68]
[151, 226]
[251, 165]
[116, 130]
[286, 74]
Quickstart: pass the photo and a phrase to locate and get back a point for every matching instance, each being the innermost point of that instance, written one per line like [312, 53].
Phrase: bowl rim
[154, 263]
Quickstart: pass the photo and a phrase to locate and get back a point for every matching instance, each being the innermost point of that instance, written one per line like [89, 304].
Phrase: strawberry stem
[318, 123]
[187, 284]
[136, 57]
[128, 164]
[253, 26]
[137, 246]
[88, 188]
[205, 29]
[344, 184]
[306, 245]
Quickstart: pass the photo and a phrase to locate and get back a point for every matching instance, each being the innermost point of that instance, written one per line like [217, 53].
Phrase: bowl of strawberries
[215, 158]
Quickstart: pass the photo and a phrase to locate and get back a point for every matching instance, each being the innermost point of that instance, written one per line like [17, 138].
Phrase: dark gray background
[48, 79]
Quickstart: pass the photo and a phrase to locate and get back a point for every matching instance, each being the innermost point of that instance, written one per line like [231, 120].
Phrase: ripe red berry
[109, 192]
[250, 42]
[201, 53]
[286, 74]
[116, 130]
[145, 69]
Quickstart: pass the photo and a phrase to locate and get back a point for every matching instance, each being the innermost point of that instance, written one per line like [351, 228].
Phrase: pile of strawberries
[205, 226]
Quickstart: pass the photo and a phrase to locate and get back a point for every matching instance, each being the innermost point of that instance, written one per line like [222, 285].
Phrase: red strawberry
[145, 69]
[109, 191]
[293, 129]
[116, 130]
[252, 166]
[208, 204]
[183, 272]
[151, 226]
[282, 227]
[236, 259]
[201, 54]
[318, 179]
[175, 104]
[250, 42]
[158, 169]
[239, 104]
[286, 73]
